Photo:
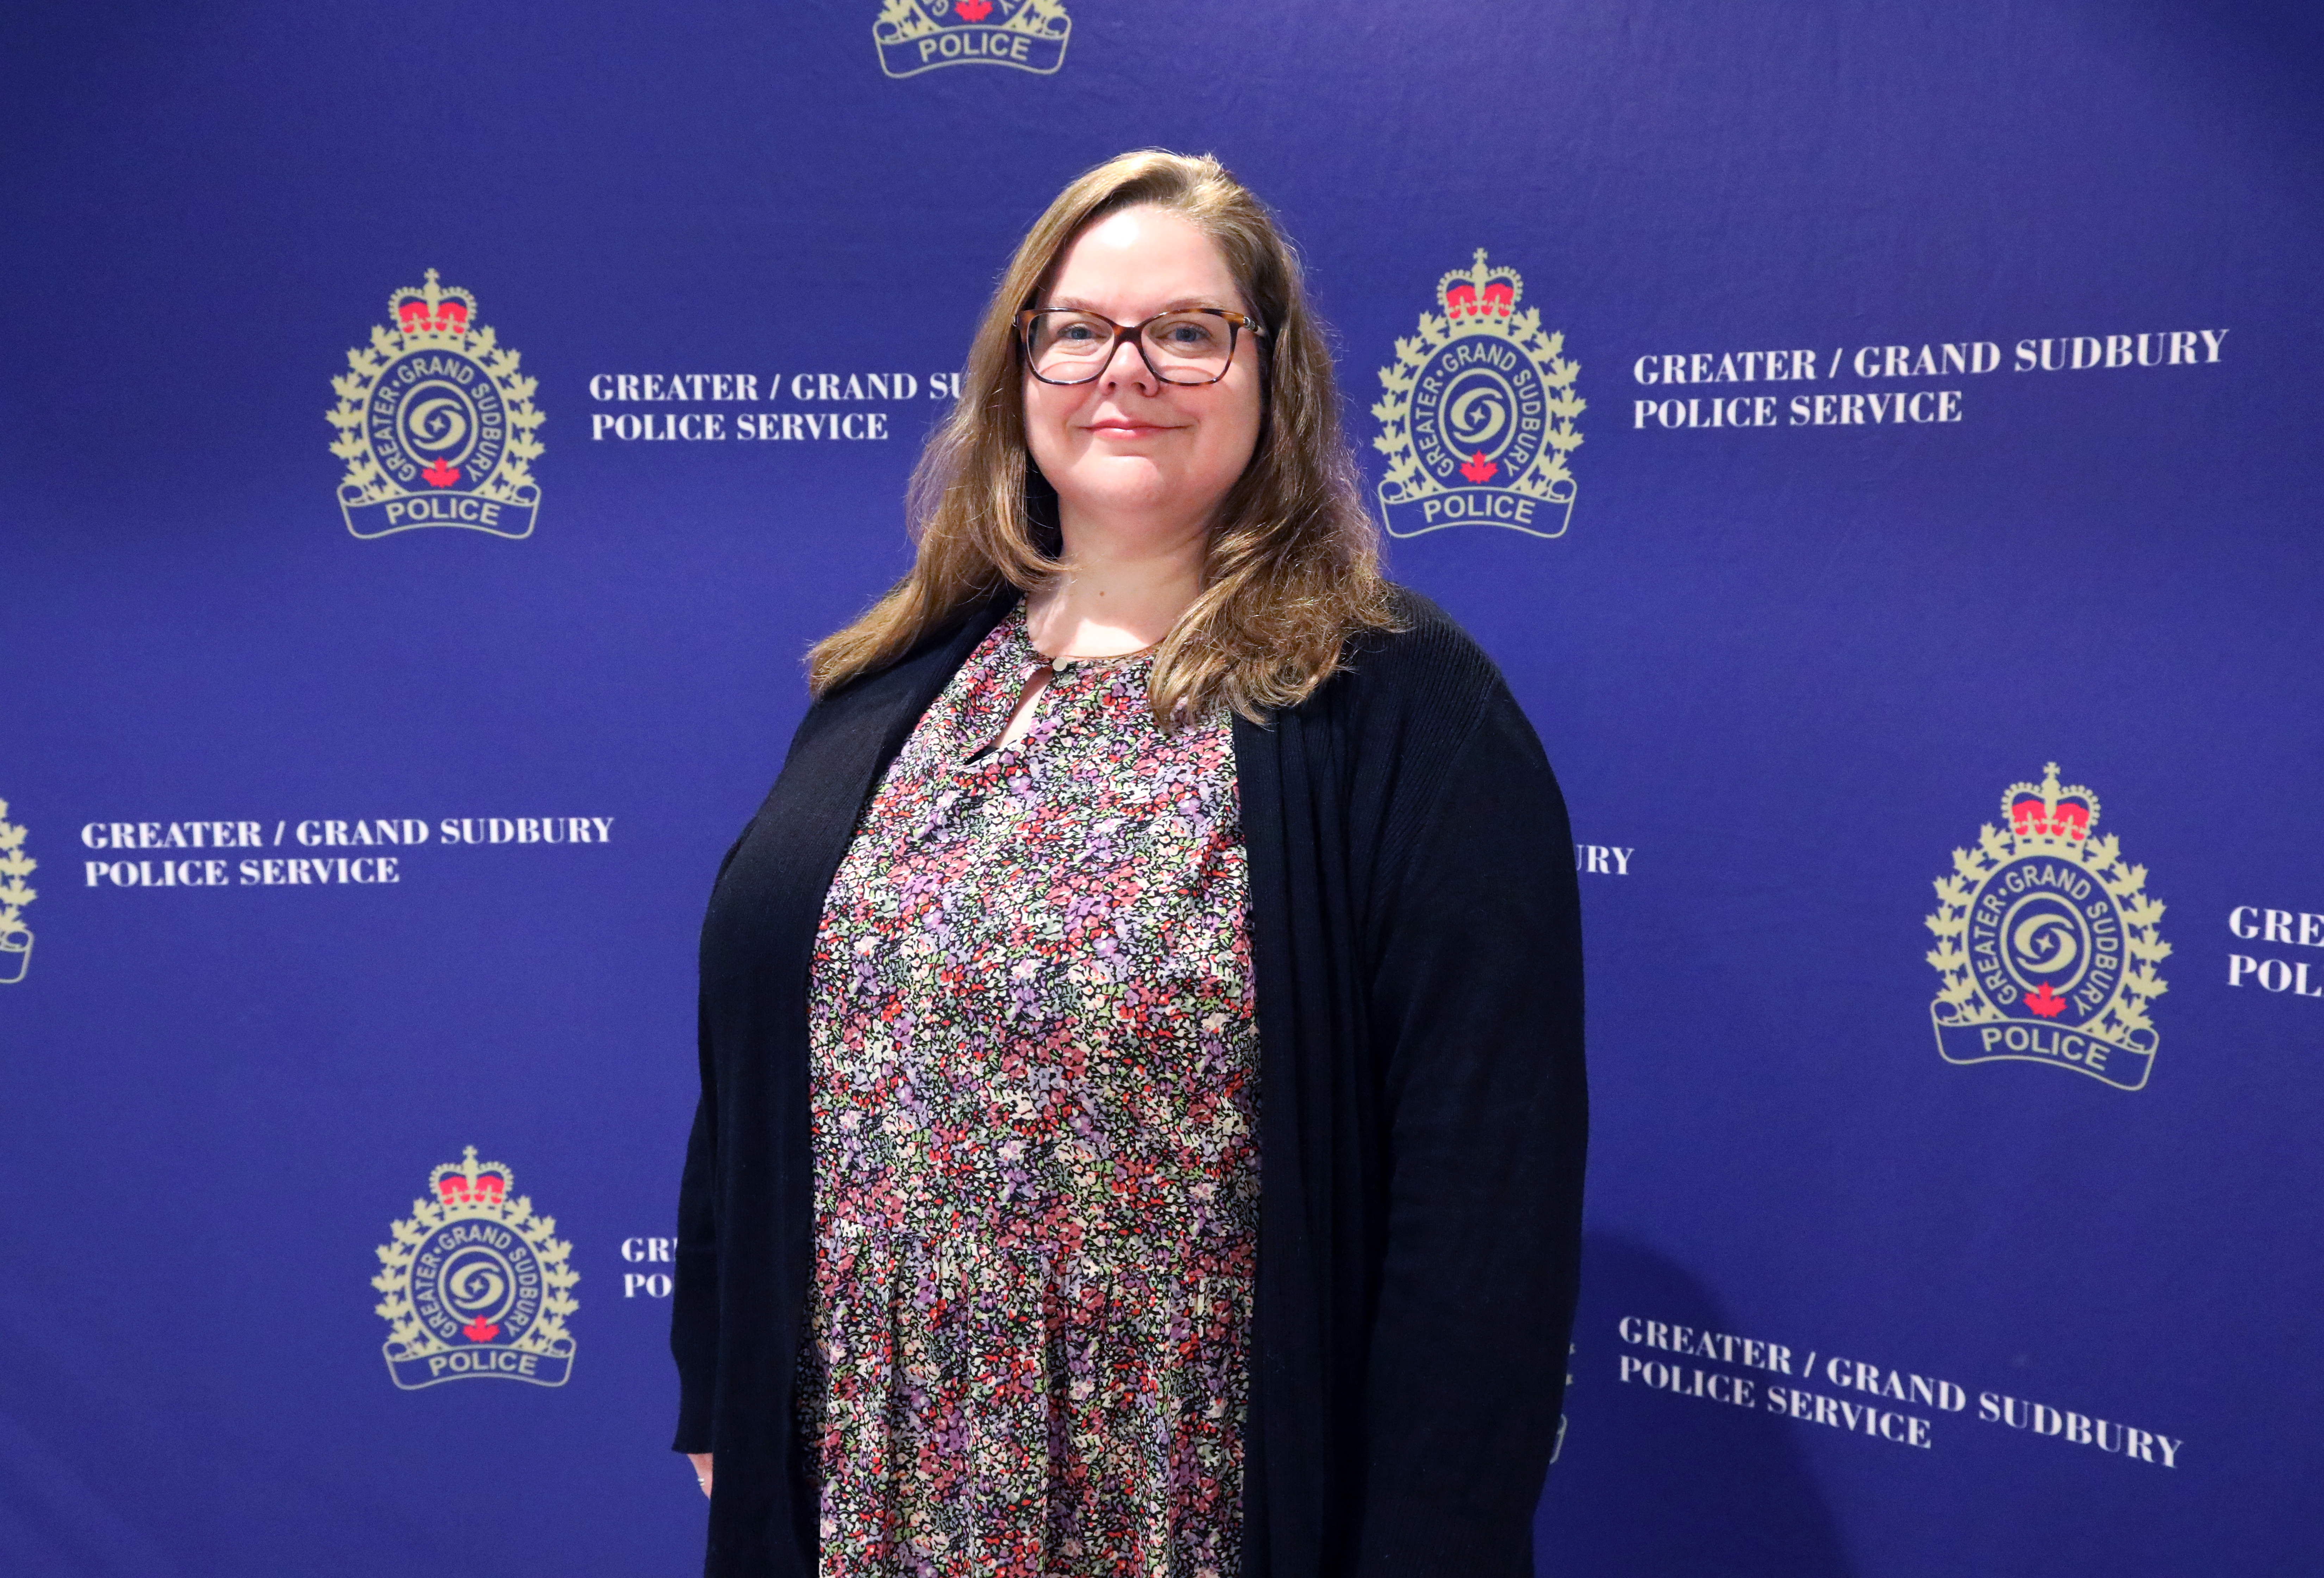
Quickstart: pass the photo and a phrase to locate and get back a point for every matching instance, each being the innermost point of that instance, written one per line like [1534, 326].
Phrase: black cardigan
[1417, 952]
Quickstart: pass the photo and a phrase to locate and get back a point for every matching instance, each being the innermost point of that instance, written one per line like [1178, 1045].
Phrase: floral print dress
[1035, 1123]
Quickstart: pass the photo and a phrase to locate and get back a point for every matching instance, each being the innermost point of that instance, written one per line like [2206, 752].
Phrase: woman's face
[1127, 451]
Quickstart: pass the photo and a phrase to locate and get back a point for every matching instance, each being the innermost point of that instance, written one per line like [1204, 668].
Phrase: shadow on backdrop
[1649, 1483]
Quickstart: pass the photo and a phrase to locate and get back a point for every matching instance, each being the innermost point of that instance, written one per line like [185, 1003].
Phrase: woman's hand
[701, 1461]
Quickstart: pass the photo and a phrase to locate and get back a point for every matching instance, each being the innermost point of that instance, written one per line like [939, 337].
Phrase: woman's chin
[1128, 485]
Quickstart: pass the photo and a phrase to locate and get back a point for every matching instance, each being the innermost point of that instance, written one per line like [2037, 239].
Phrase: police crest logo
[475, 1284]
[436, 427]
[1477, 419]
[15, 937]
[2047, 943]
[915, 36]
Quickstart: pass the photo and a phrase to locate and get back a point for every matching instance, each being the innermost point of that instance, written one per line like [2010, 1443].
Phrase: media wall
[1878, 443]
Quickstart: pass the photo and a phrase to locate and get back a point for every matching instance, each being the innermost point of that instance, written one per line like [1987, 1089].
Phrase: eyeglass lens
[1182, 348]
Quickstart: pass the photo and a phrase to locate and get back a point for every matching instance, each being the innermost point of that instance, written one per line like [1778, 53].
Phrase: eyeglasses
[1195, 345]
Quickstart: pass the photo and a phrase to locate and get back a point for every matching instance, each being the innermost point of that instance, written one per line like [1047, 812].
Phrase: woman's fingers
[701, 1461]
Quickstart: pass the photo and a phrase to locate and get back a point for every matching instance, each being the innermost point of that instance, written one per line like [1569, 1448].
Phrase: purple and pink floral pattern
[1036, 1169]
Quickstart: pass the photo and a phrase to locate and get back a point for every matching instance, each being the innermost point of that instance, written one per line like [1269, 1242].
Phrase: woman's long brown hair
[1292, 568]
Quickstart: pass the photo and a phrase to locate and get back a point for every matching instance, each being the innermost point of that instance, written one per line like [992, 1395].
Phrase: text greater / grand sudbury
[341, 852]
[1697, 386]
[2271, 930]
[1866, 1393]
[1610, 860]
[842, 394]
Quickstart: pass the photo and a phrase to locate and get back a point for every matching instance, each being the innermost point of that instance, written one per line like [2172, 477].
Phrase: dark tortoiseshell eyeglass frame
[1135, 333]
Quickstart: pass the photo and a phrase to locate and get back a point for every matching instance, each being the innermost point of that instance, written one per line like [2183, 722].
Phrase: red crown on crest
[1479, 294]
[2050, 810]
[433, 309]
[469, 1181]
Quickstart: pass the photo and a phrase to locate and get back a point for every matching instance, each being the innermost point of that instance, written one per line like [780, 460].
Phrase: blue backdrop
[1856, 411]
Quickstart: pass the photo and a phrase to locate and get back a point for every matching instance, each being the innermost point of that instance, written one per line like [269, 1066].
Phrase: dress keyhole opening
[1021, 716]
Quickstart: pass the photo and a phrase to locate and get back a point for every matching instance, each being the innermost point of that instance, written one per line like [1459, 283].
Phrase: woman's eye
[1184, 336]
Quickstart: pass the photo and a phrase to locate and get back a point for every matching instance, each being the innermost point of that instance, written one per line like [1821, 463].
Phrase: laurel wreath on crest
[395, 1279]
[1547, 352]
[479, 344]
[910, 19]
[2101, 857]
[15, 865]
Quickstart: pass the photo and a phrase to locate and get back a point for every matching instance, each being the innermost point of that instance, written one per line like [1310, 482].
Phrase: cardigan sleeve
[693, 1303]
[694, 1314]
[1476, 1018]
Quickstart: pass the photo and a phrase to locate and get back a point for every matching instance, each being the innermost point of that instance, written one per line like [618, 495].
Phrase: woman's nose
[1134, 372]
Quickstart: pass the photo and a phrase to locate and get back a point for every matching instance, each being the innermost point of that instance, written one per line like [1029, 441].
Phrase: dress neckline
[1021, 620]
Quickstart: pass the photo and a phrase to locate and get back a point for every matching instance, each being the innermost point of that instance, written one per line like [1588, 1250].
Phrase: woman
[1142, 1108]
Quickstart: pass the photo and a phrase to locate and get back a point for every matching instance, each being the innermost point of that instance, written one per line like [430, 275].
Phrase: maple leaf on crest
[2045, 1002]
